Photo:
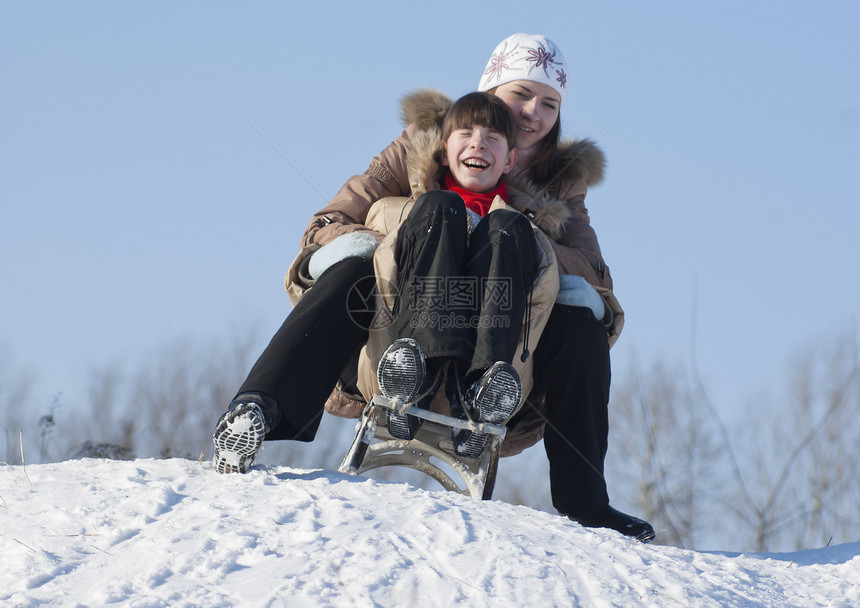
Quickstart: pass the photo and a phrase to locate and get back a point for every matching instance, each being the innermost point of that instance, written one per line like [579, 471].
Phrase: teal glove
[575, 291]
[352, 244]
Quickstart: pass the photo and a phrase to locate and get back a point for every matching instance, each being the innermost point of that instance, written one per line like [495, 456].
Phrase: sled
[431, 451]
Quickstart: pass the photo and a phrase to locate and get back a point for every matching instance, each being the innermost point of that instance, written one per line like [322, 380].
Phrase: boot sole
[497, 399]
[400, 375]
[499, 394]
[238, 438]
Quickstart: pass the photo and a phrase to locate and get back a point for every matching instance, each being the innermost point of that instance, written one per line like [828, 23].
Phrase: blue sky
[140, 203]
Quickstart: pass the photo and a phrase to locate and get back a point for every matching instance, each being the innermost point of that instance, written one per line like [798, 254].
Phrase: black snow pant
[299, 368]
[572, 369]
[463, 297]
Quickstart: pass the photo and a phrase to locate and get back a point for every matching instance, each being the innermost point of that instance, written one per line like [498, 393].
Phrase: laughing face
[534, 106]
[478, 157]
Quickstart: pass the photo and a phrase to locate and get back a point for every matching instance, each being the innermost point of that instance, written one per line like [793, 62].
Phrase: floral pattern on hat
[526, 57]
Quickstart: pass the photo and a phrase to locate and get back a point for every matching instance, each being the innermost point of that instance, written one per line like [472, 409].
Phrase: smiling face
[534, 106]
[477, 157]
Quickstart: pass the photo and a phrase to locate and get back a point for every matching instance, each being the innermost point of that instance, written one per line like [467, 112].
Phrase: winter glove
[575, 291]
[351, 244]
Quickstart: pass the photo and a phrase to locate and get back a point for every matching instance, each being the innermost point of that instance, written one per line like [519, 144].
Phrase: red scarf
[479, 202]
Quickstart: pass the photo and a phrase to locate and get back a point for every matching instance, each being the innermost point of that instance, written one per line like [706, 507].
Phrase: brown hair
[484, 110]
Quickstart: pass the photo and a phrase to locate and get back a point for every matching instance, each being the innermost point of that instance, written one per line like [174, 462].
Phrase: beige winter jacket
[406, 169]
[541, 300]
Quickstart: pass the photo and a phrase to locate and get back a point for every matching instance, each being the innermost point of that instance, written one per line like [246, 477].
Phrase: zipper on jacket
[524, 357]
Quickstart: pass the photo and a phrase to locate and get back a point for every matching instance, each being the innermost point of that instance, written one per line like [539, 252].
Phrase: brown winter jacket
[406, 169]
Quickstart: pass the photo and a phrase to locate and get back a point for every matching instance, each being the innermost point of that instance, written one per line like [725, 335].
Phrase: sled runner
[431, 451]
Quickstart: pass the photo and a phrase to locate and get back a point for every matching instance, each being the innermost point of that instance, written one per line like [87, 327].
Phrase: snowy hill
[174, 533]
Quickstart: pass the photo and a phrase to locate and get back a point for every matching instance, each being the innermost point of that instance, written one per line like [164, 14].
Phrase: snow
[175, 533]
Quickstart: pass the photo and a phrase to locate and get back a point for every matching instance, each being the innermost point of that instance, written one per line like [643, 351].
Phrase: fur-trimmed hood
[580, 161]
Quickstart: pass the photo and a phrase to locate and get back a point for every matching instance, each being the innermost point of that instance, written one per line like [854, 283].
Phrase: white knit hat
[526, 57]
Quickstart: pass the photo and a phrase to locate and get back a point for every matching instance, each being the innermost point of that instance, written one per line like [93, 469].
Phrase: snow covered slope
[174, 533]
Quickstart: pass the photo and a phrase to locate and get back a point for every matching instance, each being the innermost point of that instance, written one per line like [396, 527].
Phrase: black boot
[610, 518]
[493, 397]
[406, 378]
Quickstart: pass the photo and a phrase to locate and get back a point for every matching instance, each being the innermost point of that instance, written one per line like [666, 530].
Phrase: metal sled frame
[373, 447]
